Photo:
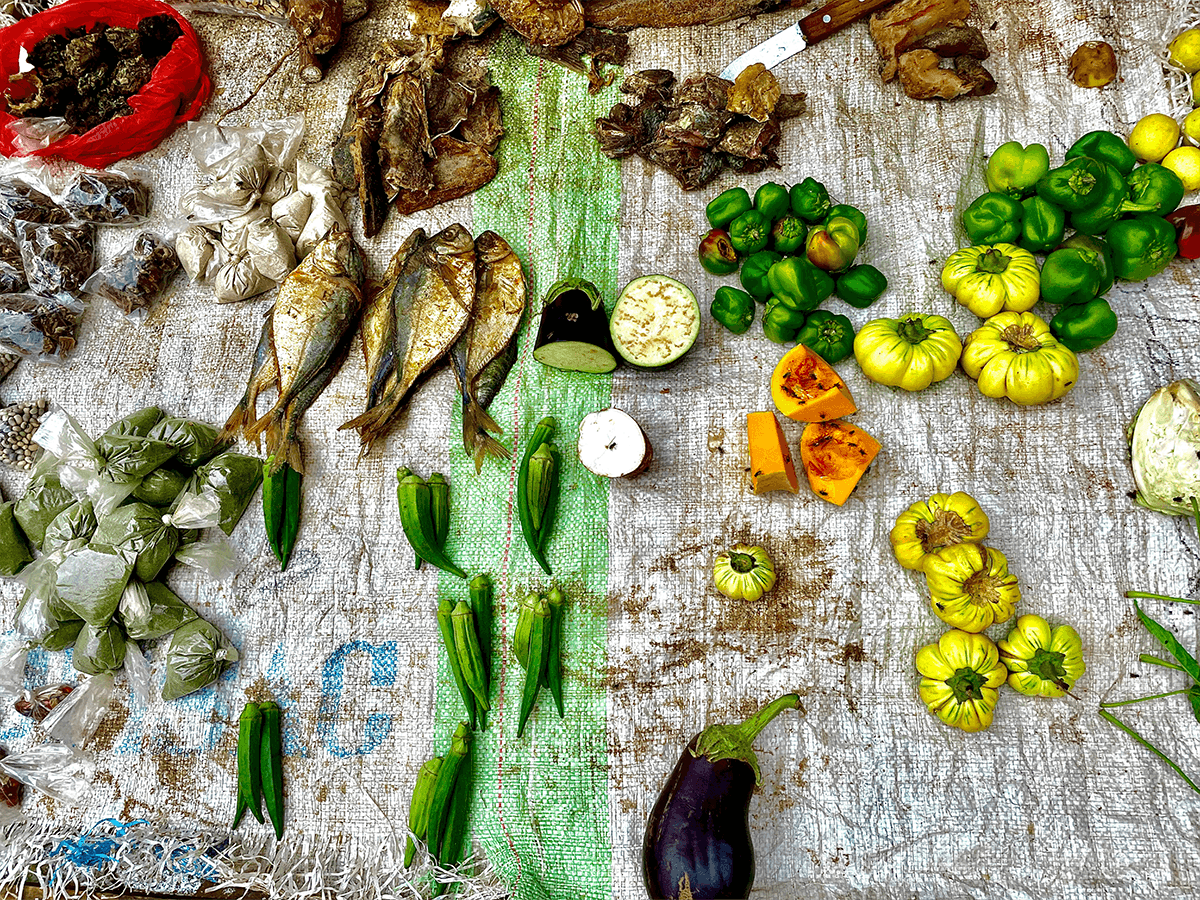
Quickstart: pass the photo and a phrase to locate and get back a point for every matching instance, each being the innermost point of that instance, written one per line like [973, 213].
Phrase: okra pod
[418, 809]
[541, 480]
[551, 511]
[525, 612]
[249, 771]
[271, 757]
[443, 788]
[541, 434]
[538, 644]
[439, 509]
[557, 601]
[481, 605]
[274, 490]
[445, 614]
[450, 853]
[402, 473]
[466, 642]
[416, 518]
[290, 527]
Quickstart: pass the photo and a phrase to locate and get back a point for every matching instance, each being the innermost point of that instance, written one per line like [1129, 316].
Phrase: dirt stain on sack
[111, 727]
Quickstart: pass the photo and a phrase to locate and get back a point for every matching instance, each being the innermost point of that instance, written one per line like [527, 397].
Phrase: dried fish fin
[264, 372]
[548, 22]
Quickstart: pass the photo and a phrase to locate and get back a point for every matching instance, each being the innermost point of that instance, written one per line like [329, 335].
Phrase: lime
[1191, 127]
[1185, 162]
[1153, 137]
[1184, 50]
[1196, 89]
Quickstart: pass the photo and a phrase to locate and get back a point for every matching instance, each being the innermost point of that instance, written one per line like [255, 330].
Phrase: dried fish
[623, 15]
[551, 23]
[587, 53]
[264, 374]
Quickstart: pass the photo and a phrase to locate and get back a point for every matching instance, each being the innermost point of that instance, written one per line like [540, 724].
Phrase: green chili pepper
[792, 283]
[716, 253]
[733, 308]
[834, 245]
[445, 621]
[1160, 189]
[1042, 225]
[749, 232]
[1141, 246]
[271, 758]
[480, 592]
[1074, 186]
[810, 201]
[542, 433]
[860, 286]
[1014, 170]
[754, 273]
[416, 518]
[787, 234]
[249, 763]
[845, 211]
[727, 206]
[772, 201]
[1107, 147]
[557, 601]
[1084, 326]
[1114, 202]
[443, 788]
[1071, 275]
[538, 646]
[418, 807]
[1104, 257]
[781, 324]
[993, 218]
[828, 335]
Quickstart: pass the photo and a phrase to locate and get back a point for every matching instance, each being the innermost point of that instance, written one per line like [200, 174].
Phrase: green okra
[481, 604]
[542, 473]
[541, 434]
[418, 809]
[450, 852]
[271, 758]
[466, 642]
[557, 601]
[445, 620]
[249, 768]
[525, 612]
[443, 788]
[416, 518]
[538, 646]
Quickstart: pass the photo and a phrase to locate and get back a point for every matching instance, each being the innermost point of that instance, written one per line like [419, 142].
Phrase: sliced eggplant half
[612, 444]
[655, 322]
[574, 330]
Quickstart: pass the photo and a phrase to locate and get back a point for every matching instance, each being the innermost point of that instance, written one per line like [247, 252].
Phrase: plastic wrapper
[233, 478]
[137, 276]
[196, 247]
[64, 635]
[270, 249]
[76, 522]
[197, 656]
[239, 279]
[139, 533]
[216, 559]
[18, 422]
[10, 797]
[39, 327]
[21, 199]
[75, 719]
[44, 498]
[12, 671]
[37, 132]
[58, 258]
[99, 649]
[162, 486]
[137, 674]
[39, 702]
[236, 231]
[56, 770]
[290, 214]
[133, 456]
[232, 195]
[219, 149]
[34, 621]
[326, 213]
[90, 581]
[152, 610]
[12, 268]
[107, 198]
[195, 442]
[138, 423]
[280, 183]
[65, 443]
[15, 552]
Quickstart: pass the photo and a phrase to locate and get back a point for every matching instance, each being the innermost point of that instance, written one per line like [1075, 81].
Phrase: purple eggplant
[697, 842]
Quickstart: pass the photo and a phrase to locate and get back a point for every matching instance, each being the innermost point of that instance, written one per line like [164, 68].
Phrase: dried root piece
[898, 27]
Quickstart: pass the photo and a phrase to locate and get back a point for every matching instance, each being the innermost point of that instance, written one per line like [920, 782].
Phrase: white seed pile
[18, 422]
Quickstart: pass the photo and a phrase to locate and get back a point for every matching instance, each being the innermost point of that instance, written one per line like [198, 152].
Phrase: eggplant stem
[754, 725]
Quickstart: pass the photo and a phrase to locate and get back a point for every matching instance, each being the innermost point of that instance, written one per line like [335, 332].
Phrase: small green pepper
[827, 334]
[1105, 146]
[993, 218]
[834, 245]
[1074, 186]
[792, 283]
[860, 286]
[727, 206]
[810, 201]
[717, 254]
[749, 232]
[1014, 170]
[1070, 275]
[1113, 203]
[788, 234]
[1157, 187]
[734, 309]
[1104, 256]
[781, 324]
[1141, 246]
[1042, 225]
[822, 281]
[1084, 326]
[854, 215]
[754, 273]
[772, 201]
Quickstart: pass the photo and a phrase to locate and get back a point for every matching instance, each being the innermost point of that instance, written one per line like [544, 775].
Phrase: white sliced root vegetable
[655, 321]
[612, 444]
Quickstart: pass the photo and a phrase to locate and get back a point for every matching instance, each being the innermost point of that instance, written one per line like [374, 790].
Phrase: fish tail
[268, 423]
[238, 419]
[476, 440]
[366, 420]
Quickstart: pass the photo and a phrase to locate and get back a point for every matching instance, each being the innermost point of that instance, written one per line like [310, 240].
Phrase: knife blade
[816, 26]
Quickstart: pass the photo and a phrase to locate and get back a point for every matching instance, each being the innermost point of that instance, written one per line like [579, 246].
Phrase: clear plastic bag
[109, 197]
[75, 719]
[55, 770]
[39, 702]
[217, 559]
[65, 442]
[270, 249]
[10, 797]
[12, 671]
[290, 213]
[37, 132]
[152, 610]
[24, 196]
[40, 327]
[12, 268]
[58, 258]
[326, 213]
[197, 656]
[137, 276]
[137, 674]
[218, 150]
[196, 247]
[239, 279]
[18, 423]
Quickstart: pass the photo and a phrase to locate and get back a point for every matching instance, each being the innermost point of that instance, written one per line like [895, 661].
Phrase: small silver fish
[264, 373]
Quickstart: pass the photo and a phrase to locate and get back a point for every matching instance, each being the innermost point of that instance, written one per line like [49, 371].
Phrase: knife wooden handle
[835, 16]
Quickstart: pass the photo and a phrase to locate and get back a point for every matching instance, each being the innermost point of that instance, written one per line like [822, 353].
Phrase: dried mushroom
[1093, 65]
[587, 53]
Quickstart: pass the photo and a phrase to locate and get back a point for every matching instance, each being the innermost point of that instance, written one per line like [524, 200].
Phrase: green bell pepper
[822, 281]
[1113, 203]
[827, 334]
[846, 211]
[734, 309]
[993, 218]
[1141, 246]
[1104, 146]
[749, 232]
[1075, 185]
[810, 201]
[726, 207]
[781, 323]
[1103, 256]
[1071, 275]
[787, 234]
[834, 245]
[1084, 326]
[792, 284]
[754, 273]
[1014, 170]
[1042, 225]
[1157, 187]
[860, 286]
[772, 200]
[717, 254]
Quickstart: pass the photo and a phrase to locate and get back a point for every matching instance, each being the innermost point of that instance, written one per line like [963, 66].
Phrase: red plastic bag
[176, 92]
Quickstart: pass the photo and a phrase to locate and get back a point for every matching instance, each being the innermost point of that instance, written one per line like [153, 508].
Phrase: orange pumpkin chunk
[835, 456]
[805, 388]
[771, 466]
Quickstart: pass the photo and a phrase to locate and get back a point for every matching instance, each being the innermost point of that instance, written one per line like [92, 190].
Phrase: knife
[816, 26]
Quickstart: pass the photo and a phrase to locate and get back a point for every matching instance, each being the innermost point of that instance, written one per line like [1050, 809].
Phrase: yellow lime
[1196, 89]
[1185, 50]
[1153, 137]
[1191, 126]
[1185, 162]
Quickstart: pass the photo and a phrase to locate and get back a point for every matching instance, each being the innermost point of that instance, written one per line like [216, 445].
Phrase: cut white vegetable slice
[655, 322]
[612, 444]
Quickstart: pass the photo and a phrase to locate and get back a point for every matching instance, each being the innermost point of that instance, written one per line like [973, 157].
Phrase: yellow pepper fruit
[941, 521]
[911, 352]
[970, 587]
[962, 673]
[992, 278]
[744, 573]
[1042, 662]
[1014, 355]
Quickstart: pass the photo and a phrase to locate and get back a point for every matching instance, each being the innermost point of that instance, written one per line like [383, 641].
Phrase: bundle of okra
[441, 800]
[260, 763]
